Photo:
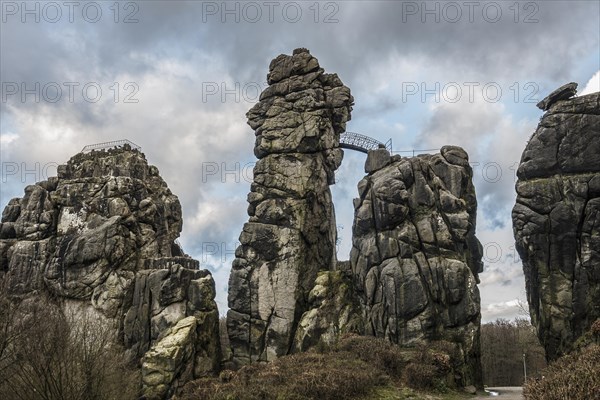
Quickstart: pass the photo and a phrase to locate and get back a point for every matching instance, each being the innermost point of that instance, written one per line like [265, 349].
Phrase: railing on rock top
[106, 145]
[413, 153]
[363, 143]
[348, 140]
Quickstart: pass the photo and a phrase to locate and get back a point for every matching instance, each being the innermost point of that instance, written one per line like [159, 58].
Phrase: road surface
[504, 393]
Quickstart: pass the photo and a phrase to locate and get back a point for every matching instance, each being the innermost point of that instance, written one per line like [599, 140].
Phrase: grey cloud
[366, 33]
[179, 131]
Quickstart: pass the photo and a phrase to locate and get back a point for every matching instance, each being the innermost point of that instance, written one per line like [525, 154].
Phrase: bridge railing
[106, 145]
[414, 152]
[362, 143]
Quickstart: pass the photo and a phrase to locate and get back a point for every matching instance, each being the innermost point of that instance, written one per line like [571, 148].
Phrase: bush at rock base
[596, 329]
[298, 376]
[351, 369]
[389, 357]
[574, 377]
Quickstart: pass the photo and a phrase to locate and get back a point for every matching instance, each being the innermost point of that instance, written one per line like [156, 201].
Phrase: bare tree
[503, 344]
[47, 355]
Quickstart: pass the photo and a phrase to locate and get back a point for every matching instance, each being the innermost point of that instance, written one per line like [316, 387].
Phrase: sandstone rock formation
[556, 221]
[291, 233]
[101, 237]
[170, 359]
[334, 309]
[161, 297]
[415, 261]
[562, 93]
[415, 258]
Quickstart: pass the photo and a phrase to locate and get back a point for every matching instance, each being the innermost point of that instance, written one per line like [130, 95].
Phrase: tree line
[509, 349]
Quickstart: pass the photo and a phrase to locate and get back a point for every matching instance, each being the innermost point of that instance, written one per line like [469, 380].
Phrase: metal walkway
[362, 143]
[106, 145]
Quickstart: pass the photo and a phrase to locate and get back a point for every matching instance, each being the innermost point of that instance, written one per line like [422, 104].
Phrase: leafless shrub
[575, 377]
[351, 369]
[429, 368]
[380, 352]
[47, 355]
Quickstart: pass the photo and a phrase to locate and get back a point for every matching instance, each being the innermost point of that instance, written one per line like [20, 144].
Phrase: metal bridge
[106, 145]
[362, 143]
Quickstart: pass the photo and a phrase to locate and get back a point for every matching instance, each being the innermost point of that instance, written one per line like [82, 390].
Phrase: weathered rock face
[415, 258]
[102, 213]
[291, 232]
[101, 236]
[164, 296]
[562, 93]
[334, 309]
[170, 360]
[556, 221]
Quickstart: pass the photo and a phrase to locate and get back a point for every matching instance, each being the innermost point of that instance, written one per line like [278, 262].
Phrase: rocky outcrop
[414, 266]
[163, 297]
[105, 212]
[377, 159]
[291, 233]
[334, 309]
[170, 360]
[556, 221]
[562, 93]
[101, 237]
[415, 258]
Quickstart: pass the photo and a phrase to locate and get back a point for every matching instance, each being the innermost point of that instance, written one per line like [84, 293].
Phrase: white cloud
[593, 85]
[509, 309]
[8, 138]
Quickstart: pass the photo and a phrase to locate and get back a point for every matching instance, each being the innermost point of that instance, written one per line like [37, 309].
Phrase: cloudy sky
[177, 77]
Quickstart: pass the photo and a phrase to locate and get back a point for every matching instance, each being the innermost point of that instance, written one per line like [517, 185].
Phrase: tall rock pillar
[291, 233]
[556, 219]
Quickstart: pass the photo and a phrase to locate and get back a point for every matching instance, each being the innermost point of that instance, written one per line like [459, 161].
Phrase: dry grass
[389, 357]
[355, 368]
[596, 329]
[299, 376]
[574, 377]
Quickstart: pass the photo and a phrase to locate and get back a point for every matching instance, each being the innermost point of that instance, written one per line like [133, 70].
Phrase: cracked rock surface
[291, 233]
[414, 266]
[101, 237]
[556, 221]
[415, 258]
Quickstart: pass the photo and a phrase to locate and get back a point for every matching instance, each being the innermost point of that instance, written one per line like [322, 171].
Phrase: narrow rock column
[291, 233]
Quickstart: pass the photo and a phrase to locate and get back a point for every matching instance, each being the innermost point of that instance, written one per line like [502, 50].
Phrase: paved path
[504, 393]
